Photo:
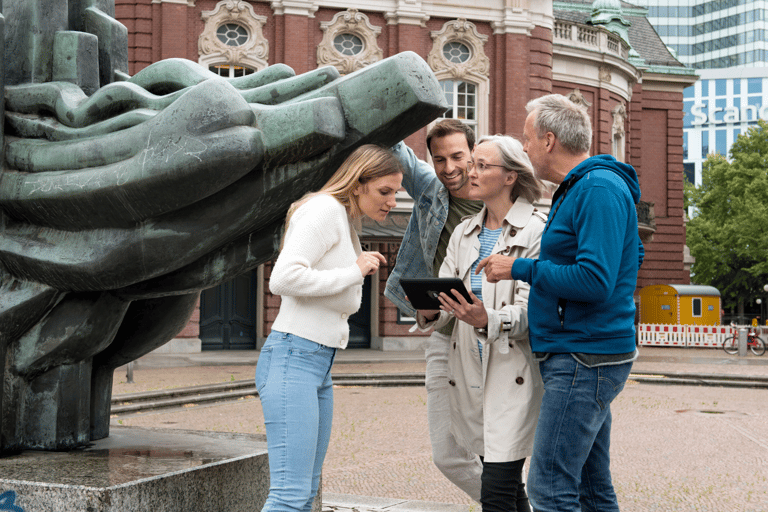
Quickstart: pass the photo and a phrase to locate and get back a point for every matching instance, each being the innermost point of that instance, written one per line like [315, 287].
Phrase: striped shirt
[487, 239]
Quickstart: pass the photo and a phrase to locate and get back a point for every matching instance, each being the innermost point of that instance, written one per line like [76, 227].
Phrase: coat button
[454, 345]
[513, 232]
[519, 380]
[452, 382]
[511, 345]
[503, 303]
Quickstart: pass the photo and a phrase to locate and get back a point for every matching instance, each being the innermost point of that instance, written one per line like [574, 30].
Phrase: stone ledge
[143, 469]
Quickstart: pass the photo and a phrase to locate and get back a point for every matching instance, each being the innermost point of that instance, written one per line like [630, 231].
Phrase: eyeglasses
[482, 166]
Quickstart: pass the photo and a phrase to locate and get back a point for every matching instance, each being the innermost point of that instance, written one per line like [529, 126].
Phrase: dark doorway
[360, 322]
[227, 315]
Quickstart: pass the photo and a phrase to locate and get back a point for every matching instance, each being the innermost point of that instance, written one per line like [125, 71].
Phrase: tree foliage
[728, 234]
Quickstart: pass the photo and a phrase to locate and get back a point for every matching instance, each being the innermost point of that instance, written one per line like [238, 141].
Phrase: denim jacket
[430, 212]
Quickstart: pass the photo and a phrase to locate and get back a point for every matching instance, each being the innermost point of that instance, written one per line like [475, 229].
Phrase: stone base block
[181, 346]
[142, 469]
[395, 343]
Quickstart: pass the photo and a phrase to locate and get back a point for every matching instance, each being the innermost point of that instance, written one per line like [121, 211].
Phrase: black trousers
[502, 488]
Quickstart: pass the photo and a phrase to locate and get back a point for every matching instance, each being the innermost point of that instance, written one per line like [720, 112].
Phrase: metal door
[360, 322]
[227, 315]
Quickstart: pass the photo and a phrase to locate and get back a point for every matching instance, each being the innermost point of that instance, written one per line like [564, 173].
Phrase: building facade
[491, 57]
[708, 34]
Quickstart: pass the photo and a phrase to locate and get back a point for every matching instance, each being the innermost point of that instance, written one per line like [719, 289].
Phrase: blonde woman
[319, 275]
[496, 388]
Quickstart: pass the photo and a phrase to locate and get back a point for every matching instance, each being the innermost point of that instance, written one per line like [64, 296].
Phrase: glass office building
[721, 105]
[714, 33]
[726, 41]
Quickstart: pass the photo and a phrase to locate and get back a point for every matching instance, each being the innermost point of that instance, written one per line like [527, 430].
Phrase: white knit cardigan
[316, 273]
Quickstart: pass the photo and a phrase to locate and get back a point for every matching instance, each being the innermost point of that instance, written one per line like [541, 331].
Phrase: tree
[728, 234]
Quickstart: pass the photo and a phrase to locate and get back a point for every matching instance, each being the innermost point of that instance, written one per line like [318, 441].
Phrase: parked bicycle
[754, 343]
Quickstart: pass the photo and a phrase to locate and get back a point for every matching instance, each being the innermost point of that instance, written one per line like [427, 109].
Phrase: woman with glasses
[319, 276]
[495, 386]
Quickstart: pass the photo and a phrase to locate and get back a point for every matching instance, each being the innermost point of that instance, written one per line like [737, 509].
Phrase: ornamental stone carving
[460, 31]
[355, 24]
[619, 114]
[253, 53]
[579, 99]
[605, 74]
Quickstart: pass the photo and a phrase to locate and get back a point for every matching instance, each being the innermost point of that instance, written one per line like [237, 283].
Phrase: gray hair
[569, 122]
[513, 158]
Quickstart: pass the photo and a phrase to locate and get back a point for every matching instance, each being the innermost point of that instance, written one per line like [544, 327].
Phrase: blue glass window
[720, 105]
[704, 144]
[704, 88]
[720, 87]
[754, 85]
[689, 92]
[685, 145]
[737, 86]
[688, 117]
[721, 136]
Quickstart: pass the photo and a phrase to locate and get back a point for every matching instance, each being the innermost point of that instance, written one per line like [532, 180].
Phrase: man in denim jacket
[440, 197]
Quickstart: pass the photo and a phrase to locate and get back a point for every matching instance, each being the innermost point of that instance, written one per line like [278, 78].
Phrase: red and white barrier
[668, 335]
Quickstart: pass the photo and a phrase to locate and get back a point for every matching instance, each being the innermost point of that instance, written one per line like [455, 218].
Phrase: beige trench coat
[494, 403]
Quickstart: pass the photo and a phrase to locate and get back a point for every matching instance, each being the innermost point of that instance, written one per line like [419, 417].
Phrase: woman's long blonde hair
[366, 163]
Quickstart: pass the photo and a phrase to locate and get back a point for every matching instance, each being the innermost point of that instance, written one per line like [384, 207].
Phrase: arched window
[459, 62]
[232, 43]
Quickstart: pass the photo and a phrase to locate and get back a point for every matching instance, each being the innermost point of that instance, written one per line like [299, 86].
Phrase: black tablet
[423, 292]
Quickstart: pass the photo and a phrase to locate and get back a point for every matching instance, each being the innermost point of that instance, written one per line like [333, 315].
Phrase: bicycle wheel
[731, 345]
[758, 348]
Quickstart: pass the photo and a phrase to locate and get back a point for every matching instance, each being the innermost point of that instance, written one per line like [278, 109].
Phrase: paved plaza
[674, 448]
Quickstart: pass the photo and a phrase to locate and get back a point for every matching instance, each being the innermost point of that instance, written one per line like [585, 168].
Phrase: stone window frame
[476, 70]
[352, 22]
[253, 54]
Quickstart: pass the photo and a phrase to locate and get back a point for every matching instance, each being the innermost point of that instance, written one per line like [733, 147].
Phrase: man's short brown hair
[447, 127]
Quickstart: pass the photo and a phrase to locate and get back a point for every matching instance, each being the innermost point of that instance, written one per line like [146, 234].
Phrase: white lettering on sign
[702, 115]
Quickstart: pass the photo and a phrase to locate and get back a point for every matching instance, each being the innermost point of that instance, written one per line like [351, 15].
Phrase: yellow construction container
[681, 304]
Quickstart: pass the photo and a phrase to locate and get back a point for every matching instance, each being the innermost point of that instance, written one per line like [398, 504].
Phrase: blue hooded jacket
[583, 282]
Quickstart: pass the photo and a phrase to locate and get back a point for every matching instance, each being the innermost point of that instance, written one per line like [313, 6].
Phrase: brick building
[491, 57]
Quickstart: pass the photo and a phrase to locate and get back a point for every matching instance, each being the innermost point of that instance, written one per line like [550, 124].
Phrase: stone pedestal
[137, 469]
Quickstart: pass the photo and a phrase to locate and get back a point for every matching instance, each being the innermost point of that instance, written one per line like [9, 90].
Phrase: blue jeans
[570, 466]
[293, 378]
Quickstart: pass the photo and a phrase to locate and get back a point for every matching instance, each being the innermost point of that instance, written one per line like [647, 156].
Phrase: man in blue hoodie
[581, 310]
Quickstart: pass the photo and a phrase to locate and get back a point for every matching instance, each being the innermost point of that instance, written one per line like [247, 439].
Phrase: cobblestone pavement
[675, 448]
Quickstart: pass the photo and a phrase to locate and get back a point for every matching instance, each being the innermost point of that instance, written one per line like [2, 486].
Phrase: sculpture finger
[211, 106]
[380, 100]
[22, 305]
[168, 174]
[73, 108]
[290, 88]
[300, 130]
[36, 127]
[171, 75]
[224, 264]
[78, 328]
